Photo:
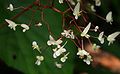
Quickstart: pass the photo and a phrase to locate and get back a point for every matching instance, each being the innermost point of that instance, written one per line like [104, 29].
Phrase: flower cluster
[68, 34]
[13, 25]
[82, 53]
[59, 49]
[39, 58]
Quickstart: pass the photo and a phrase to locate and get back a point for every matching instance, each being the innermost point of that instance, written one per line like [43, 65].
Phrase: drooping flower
[100, 37]
[68, 34]
[93, 8]
[58, 65]
[60, 1]
[53, 42]
[82, 52]
[96, 28]
[26, 27]
[35, 46]
[59, 51]
[111, 37]
[109, 18]
[76, 11]
[39, 60]
[97, 2]
[12, 24]
[85, 31]
[88, 60]
[11, 8]
[64, 58]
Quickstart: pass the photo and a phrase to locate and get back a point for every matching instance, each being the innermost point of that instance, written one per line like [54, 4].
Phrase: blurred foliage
[15, 46]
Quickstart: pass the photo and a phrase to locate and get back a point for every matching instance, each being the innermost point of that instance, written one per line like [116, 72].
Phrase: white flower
[100, 37]
[39, 59]
[95, 46]
[59, 51]
[12, 24]
[93, 8]
[68, 34]
[76, 11]
[53, 42]
[39, 24]
[10, 7]
[111, 37]
[109, 18]
[35, 46]
[64, 58]
[71, 2]
[26, 27]
[97, 2]
[82, 52]
[58, 65]
[88, 59]
[60, 1]
[85, 31]
[96, 28]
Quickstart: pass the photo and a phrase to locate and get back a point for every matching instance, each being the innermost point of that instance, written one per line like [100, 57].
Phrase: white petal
[54, 55]
[10, 7]
[58, 65]
[96, 28]
[60, 1]
[39, 24]
[97, 2]
[76, 10]
[86, 30]
[112, 37]
[87, 61]
[93, 8]
[100, 38]
[12, 24]
[109, 17]
[26, 27]
[38, 62]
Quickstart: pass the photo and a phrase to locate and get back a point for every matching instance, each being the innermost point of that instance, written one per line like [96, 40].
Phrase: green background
[15, 46]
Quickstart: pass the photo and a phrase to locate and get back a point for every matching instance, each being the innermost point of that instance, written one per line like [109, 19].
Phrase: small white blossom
[35, 46]
[76, 11]
[93, 8]
[109, 18]
[100, 37]
[59, 51]
[85, 31]
[39, 60]
[111, 37]
[64, 58]
[11, 8]
[71, 2]
[82, 52]
[58, 65]
[95, 46]
[26, 27]
[60, 1]
[53, 42]
[12, 24]
[88, 59]
[68, 34]
[96, 28]
[97, 2]
[39, 24]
